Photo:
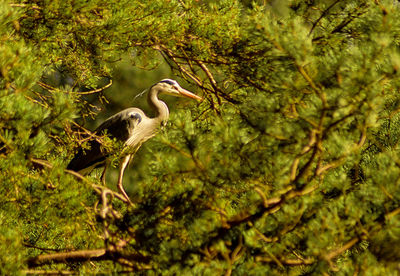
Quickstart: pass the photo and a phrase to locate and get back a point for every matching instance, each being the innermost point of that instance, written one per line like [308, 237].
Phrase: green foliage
[289, 166]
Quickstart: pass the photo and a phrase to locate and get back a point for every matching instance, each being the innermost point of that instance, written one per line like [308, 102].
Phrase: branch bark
[101, 254]
[75, 256]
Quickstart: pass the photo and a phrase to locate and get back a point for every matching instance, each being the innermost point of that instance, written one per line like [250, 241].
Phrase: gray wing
[120, 126]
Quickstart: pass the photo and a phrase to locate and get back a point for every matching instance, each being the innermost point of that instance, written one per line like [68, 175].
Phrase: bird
[130, 126]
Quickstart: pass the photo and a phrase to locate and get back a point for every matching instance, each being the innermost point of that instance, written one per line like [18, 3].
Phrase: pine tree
[289, 166]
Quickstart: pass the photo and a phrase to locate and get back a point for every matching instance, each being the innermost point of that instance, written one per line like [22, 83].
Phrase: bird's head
[172, 87]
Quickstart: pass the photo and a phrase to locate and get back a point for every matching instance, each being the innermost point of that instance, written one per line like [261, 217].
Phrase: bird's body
[130, 126]
[123, 126]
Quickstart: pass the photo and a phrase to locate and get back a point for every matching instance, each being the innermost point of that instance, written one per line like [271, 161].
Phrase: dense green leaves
[289, 166]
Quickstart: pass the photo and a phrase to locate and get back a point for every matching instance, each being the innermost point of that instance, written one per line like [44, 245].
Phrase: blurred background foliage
[290, 165]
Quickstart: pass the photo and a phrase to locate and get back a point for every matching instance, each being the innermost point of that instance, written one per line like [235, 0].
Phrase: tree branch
[49, 272]
[74, 256]
[322, 16]
[334, 253]
[290, 262]
[88, 255]
[50, 88]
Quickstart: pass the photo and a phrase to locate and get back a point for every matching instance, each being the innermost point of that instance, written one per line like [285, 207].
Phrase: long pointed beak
[188, 94]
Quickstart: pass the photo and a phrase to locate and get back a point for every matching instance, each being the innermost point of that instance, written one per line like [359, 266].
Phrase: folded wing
[120, 126]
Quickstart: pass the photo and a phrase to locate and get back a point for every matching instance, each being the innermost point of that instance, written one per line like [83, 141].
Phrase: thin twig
[393, 213]
[334, 253]
[35, 7]
[290, 262]
[51, 88]
[322, 15]
[50, 272]
[40, 248]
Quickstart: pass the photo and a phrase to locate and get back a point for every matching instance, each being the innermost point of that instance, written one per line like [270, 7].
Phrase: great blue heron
[130, 126]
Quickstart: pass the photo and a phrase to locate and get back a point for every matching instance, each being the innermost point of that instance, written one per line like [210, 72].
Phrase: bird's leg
[121, 175]
[103, 174]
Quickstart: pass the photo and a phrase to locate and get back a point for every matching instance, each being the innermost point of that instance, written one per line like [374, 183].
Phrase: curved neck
[161, 109]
